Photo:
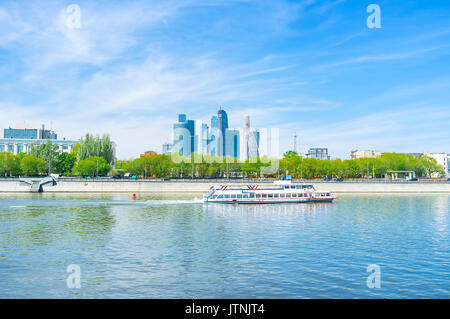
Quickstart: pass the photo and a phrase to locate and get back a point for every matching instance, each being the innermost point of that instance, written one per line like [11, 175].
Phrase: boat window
[264, 195]
[270, 195]
[328, 194]
[292, 187]
[282, 195]
[233, 195]
[286, 187]
[258, 195]
[252, 195]
[294, 195]
[220, 196]
[298, 186]
[288, 195]
[276, 195]
[227, 196]
[245, 196]
[239, 196]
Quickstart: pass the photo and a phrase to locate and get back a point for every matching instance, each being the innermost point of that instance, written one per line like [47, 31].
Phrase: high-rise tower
[222, 119]
[246, 131]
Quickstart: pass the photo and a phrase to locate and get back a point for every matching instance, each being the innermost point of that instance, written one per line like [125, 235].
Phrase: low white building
[364, 154]
[24, 135]
[442, 159]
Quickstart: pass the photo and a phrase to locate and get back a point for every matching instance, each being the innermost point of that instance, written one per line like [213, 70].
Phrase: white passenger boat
[279, 192]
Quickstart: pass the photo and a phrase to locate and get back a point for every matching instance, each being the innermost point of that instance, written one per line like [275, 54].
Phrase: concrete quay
[68, 185]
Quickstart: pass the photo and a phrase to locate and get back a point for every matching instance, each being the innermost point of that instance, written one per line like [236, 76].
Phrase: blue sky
[309, 66]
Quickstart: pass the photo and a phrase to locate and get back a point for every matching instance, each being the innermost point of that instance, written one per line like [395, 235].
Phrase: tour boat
[278, 192]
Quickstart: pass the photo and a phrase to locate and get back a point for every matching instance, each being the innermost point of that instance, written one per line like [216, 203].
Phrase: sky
[312, 67]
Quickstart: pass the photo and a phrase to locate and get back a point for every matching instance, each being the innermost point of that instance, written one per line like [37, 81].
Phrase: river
[176, 247]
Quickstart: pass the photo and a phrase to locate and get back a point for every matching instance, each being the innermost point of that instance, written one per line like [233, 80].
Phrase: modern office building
[318, 153]
[250, 141]
[232, 146]
[23, 136]
[184, 136]
[216, 140]
[364, 154]
[253, 143]
[213, 142]
[29, 131]
[246, 133]
[204, 139]
[222, 119]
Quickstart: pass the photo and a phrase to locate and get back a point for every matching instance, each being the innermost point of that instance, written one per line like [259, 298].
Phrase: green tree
[65, 163]
[9, 164]
[48, 152]
[90, 166]
[33, 166]
[91, 145]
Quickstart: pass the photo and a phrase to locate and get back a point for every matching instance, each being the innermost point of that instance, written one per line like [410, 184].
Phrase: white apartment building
[442, 159]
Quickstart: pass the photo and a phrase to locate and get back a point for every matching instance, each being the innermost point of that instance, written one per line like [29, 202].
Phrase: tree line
[92, 156]
[208, 166]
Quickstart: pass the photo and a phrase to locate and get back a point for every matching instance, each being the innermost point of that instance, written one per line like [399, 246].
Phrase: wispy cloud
[132, 67]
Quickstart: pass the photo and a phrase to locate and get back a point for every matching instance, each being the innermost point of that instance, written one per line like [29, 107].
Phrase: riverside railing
[228, 181]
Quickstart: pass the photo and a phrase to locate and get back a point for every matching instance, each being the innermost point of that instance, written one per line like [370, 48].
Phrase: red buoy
[134, 196]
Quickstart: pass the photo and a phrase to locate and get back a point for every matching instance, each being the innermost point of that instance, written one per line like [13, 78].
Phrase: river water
[177, 247]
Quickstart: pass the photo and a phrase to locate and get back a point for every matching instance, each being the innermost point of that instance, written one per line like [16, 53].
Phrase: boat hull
[262, 201]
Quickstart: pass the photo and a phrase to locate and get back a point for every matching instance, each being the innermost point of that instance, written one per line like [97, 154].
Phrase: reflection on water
[162, 246]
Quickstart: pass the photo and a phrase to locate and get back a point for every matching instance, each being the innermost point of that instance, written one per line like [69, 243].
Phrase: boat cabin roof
[265, 187]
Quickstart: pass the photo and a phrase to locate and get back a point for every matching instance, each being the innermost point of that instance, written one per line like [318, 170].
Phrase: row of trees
[297, 166]
[359, 168]
[92, 156]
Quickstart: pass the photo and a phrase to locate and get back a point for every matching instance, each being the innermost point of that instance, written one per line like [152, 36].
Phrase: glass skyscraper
[222, 118]
[253, 143]
[213, 146]
[232, 146]
[184, 136]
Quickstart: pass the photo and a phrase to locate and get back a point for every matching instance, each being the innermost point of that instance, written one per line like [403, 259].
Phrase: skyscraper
[246, 131]
[203, 148]
[253, 143]
[232, 146]
[223, 126]
[213, 145]
[184, 136]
